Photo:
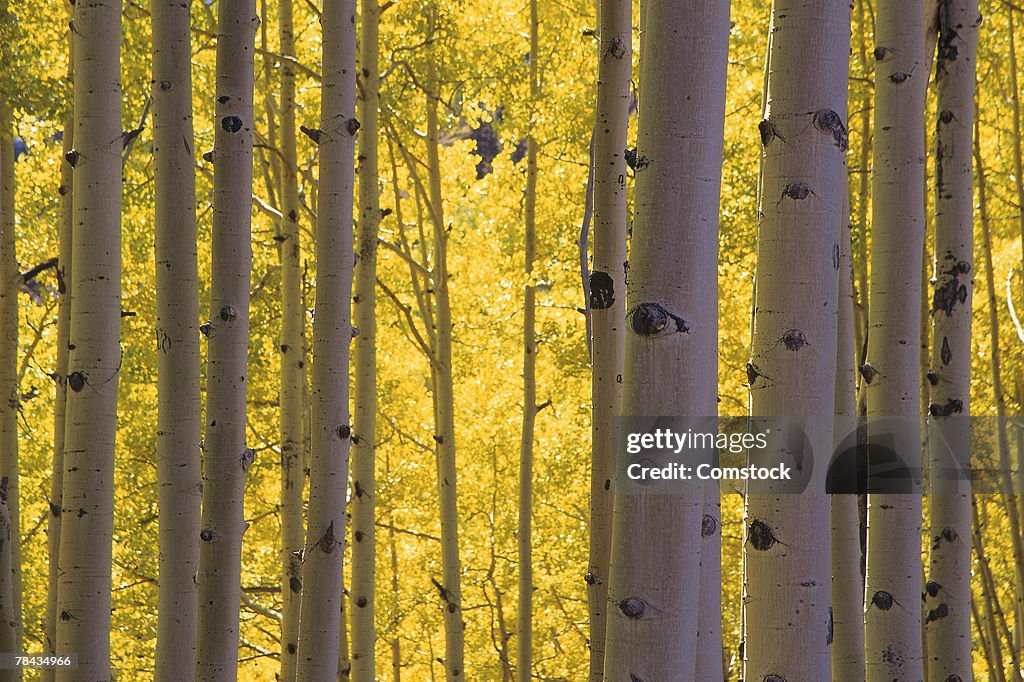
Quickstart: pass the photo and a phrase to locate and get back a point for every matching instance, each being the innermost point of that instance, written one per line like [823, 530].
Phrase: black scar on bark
[868, 372]
[617, 47]
[292, 648]
[882, 600]
[949, 535]
[206, 329]
[831, 627]
[951, 406]
[312, 133]
[206, 535]
[932, 377]
[761, 536]
[946, 354]
[772, 677]
[794, 340]
[951, 291]
[633, 677]
[932, 588]
[76, 381]
[635, 160]
[836, 259]
[708, 526]
[880, 53]
[232, 124]
[228, 313]
[633, 607]
[796, 190]
[589, 578]
[327, 541]
[898, 77]
[753, 372]
[829, 122]
[940, 611]
[946, 116]
[602, 290]
[247, 458]
[650, 319]
[208, 156]
[295, 585]
[344, 431]
[768, 132]
[352, 126]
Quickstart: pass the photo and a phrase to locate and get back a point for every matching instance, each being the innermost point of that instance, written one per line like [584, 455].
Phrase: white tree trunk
[227, 459]
[792, 370]
[332, 331]
[891, 373]
[177, 320]
[672, 339]
[607, 299]
[83, 600]
[948, 589]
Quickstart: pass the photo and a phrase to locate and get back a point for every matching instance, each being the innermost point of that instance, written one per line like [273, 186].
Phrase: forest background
[482, 57]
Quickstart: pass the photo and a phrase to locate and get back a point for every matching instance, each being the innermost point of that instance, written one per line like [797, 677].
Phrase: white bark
[792, 370]
[671, 343]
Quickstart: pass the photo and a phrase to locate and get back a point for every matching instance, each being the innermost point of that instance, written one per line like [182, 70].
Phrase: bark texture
[226, 458]
[893, 583]
[177, 290]
[792, 370]
[83, 600]
[671, 343]
[948, 589]
[365, 399]
[607, 300]
[332, 332]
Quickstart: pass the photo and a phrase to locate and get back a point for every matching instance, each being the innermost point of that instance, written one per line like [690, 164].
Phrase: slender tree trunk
[83, 599]
[10, 400]
[892, 586]
[364, 502]
[524, 660]
[444, 396]
[948, 590]
[332, 333]
[998, 392]
[607, 300]
[227, 459]
[671, 350]
[177, 290]
[847, 581]
[293, 355]
[792, 370]
[1018, 153]
[60, 391]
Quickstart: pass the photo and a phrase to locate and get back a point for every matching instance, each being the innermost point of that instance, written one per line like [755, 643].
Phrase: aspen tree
[792, 369]
[293, 353]
[10, 581]
[524, 660]
[60, 391]
[671, 340]
[10, 394]
[450, 589]
[606, 299]
[847, 586]
[948, 590]
[891, 374]
[226, 456]
[94, 362]
[177, 319]
[365, 398]
[1018, 145]
[321, 610]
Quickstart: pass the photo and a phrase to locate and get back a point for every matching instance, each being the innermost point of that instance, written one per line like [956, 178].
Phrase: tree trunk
[672, 302]
[847, 581]
[524, 660]
[444, 394]
[792, 370]
[364, 547]
[10, 397]
[332, 332]
[606, 300]
[177, 290]
[64, 273]
[227, 459]
[293, 355]
[948, 590]
[892, 585]
[83, 599]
